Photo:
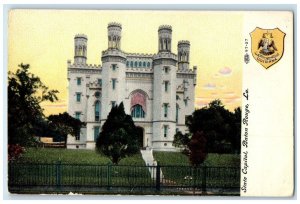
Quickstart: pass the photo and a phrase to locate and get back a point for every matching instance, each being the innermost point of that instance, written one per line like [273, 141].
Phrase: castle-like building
[157, 89]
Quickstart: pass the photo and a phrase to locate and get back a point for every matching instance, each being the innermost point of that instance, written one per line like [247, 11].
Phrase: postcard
[150, 102]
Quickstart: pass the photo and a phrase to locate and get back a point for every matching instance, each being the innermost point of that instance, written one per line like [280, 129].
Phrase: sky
[45, 40]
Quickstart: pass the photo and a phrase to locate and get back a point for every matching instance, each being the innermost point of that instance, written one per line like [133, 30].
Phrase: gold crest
[267, 45]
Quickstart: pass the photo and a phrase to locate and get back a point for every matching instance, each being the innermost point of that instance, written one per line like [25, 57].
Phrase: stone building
[156, 89]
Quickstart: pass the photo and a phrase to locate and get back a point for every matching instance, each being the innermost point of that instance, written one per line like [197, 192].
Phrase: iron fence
[60, 177]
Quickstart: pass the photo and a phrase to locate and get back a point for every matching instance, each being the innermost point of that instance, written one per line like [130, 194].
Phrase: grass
[216, 160]
[222, 169]
[69, 156]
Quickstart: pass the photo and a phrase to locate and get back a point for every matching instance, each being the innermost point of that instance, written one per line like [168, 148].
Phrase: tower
[114, 35]
[183, 48]
[114, 70]
[164, 91]
[164, 38]
[80, 49]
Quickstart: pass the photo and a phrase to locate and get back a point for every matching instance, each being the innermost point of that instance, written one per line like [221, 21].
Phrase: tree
[197, 147]
[119, 135]
[220, 126]
[64, 124]
[182, 141]
[25, 93]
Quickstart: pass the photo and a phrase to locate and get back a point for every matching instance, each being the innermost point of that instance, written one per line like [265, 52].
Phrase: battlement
[139, 55]
[185, 71]
[114, 24]
[165, 27]
[183, 42]
[85, 66]
[113, 52]
[80, 36]
[168, 55]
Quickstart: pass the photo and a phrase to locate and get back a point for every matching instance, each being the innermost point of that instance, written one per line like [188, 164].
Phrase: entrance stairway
[147, 155]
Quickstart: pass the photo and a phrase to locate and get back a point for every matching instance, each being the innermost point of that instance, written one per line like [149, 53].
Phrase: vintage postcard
[150, 102]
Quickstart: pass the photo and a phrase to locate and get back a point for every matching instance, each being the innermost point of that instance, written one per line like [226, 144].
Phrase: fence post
[204, 179]
[58, 174]
[108, 175]
[158, 177]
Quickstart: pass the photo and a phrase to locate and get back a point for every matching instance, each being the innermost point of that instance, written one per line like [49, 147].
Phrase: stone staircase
[147, 155]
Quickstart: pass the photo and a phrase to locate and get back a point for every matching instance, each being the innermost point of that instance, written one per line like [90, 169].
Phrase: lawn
[222, 170]
[216, 160]
[70, 156]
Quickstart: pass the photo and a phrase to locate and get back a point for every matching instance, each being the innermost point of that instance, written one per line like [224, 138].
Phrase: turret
[164, 38]
[183, 48]
[114, 35]
[80, 49]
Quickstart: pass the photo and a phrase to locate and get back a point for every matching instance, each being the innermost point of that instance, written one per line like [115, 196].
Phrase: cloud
[209, 86]
[225, 71]
[232, 100]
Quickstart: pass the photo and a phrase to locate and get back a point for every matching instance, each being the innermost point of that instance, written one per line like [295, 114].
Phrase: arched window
[144, 64]
[97, 111]
[135, 64]
[148, 64]
[137, 111]
[140, 64]
[131, 64]
[127, 64]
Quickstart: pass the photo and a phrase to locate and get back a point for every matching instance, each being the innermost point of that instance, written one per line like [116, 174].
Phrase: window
[165, 130]
[131, 64]
[114, 66]
[78, 81]
[127, 64]
[97, 94]
[77, 115]
[165, 110]
[177, 97]
[78, 97]
[166, 70]
[135, 64]
[114, 83]
[137, 112]
[97, 111]
[148, 64]
[100, 82]
[166, 85]
[113, 103]
[144, 64]
[185, 102]
[177, 113]
[77, 136]
[96, 132]
[140, 64]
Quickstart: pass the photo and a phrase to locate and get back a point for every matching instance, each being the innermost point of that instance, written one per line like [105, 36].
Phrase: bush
[15, 152]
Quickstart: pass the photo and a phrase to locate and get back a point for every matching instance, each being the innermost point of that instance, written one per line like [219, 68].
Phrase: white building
[156, 89]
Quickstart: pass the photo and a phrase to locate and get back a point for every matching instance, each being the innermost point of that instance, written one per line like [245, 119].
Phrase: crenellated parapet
[113, 55]
[83, 66]
[165, 55]
[81, 36]
[139, 55]
[165, 27]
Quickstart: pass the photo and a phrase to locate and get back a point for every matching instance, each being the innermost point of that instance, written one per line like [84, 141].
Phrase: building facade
[157, 89]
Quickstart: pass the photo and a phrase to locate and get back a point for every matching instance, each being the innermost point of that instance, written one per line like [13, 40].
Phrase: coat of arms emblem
[267, 46]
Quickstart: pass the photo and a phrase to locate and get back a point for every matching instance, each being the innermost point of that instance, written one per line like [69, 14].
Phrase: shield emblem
[267, 46]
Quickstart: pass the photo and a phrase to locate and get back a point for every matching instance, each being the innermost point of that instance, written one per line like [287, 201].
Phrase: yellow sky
[45, 39]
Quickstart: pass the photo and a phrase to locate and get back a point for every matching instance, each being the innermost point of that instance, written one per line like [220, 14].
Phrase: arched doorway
[140, 136]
